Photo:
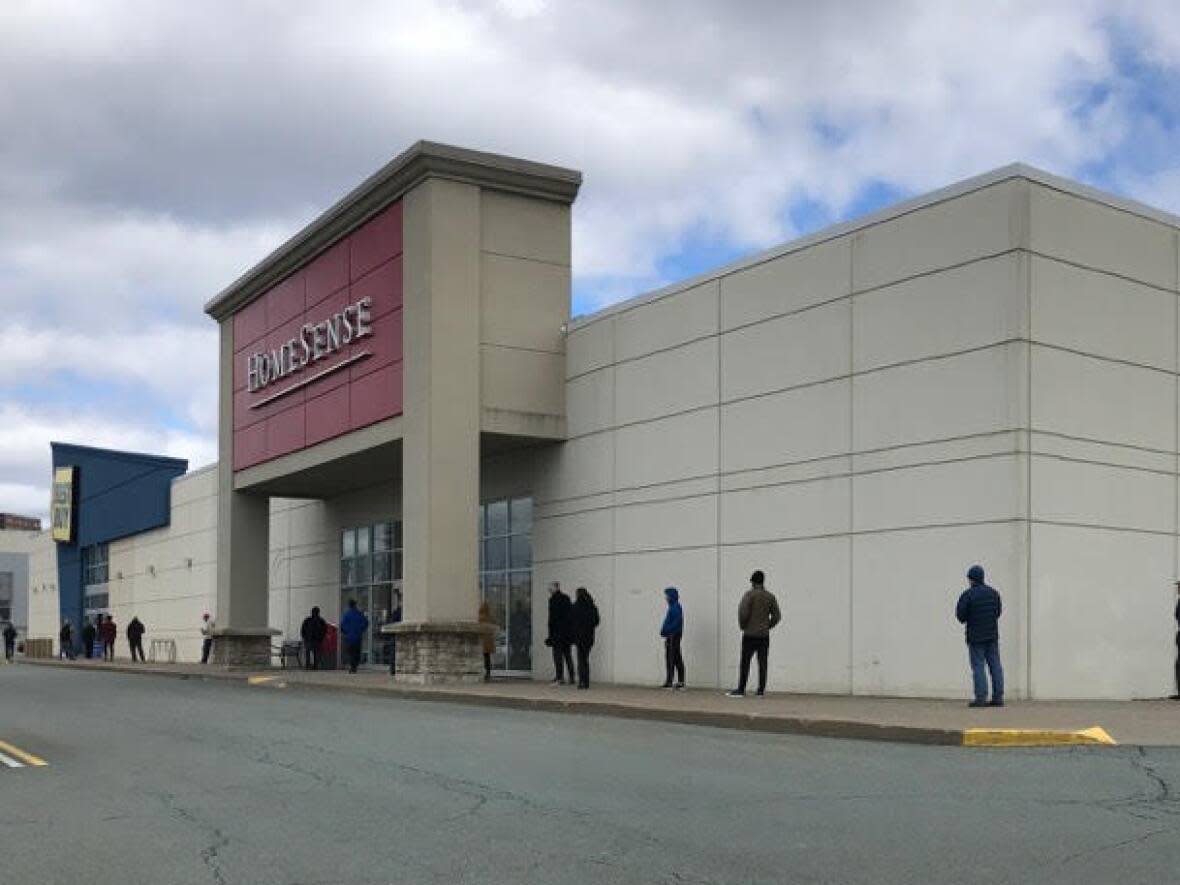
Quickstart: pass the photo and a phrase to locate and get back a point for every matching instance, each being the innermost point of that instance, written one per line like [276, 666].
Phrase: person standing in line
[312, 632]
[1176, 613]
[135, 631]
[66, 641]
[758, 614]
[584, 621]
[9, 641]
[352, 627]
[207, 626]
[88, 635]
[673, 632]
[979, 609]
[109, 633]
[560, 633]
[488, 639]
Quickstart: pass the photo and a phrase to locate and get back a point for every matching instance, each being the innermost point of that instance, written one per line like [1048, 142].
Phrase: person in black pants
[758, 614]
[673, 631]
[1176, 696]
[561, 631]
[135, 631]
[585, 622]
[312, 631]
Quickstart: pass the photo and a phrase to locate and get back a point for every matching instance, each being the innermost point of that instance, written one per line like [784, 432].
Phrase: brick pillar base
[434, 652]
[241, 649]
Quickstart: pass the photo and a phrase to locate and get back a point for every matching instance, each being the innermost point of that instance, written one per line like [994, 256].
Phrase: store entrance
[371, 574]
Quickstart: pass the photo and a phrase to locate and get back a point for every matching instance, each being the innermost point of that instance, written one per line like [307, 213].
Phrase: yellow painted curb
[17, 752]
[260, 680]
[1024, 737]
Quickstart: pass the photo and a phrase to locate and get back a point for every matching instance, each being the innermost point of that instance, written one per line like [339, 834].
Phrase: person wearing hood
[108, 632]
[979, 609]
[135, 631]
[560, 636]
[352, 627]
[312, 631]
[584, 616]
[673, 631]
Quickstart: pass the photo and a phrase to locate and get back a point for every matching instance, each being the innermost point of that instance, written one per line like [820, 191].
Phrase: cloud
[152, 151]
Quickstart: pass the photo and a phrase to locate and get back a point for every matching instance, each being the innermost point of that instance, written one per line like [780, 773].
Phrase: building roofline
[162, 460]
[424, 159]
[888, 213]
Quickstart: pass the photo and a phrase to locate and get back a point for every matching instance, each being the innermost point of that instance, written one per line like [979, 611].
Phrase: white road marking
[10, 762]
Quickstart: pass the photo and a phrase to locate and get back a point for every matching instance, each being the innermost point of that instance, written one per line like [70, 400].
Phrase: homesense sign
[315, 342]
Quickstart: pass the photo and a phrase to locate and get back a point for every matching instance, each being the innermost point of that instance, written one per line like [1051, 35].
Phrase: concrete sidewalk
[911, 720]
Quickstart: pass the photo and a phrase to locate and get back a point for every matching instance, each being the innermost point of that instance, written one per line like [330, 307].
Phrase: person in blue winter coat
[673, 631]
[979, 609]
[352, 627]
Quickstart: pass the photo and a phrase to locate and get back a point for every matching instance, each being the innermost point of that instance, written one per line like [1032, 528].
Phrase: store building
[18, 537]
[988, 373]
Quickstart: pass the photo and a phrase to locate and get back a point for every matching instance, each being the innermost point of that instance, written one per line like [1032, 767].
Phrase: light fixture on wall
[118, 576]
[188, 563]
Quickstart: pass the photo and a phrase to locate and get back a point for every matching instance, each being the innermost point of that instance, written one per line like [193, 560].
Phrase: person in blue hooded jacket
[979, 609]
[673, 631]
[352, 627]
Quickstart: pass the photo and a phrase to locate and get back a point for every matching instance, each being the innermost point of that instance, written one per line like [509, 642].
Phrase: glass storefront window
[506, 578]
[370, 574]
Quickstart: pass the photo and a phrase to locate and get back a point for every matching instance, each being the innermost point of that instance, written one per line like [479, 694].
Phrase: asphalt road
[160, 781]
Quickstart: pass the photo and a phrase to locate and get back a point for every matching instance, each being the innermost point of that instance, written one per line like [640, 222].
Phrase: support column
[242, 636]
[440, 639]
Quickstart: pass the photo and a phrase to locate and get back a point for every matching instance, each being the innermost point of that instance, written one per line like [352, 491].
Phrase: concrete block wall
[846, 416]
[1103, 442]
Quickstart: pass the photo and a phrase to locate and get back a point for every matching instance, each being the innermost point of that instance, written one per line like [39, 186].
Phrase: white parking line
[10, 762]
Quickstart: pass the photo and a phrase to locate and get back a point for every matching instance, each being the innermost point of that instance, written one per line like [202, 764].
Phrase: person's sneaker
[997, 702]
[679, 686]
[667, 685]
[1174, 697]
[735, 694]
[977, 704]
[760, 694]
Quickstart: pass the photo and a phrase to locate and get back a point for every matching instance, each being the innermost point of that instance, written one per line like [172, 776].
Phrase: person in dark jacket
[312, 631]
[673, 631]
[352, 627]
[108, 632]
[135, 631]
[979, 608]
[758, 614]
[1176, 613]
[560, 633]
[584, 616]
[65, 640]
[88, 635]
[9, 641]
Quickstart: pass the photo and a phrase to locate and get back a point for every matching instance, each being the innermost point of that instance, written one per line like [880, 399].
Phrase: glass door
[506, 579]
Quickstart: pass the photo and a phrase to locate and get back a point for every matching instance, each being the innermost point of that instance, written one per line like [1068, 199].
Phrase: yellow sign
[61, 507]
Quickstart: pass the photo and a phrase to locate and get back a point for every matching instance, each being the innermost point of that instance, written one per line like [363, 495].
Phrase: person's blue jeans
[986, 654]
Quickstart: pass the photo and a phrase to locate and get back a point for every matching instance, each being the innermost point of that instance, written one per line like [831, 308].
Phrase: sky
[150, 152]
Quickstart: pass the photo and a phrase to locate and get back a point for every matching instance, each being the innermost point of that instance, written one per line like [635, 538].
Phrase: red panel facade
[320, 354]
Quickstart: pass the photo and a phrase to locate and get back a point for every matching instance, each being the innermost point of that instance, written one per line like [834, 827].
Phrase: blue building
[101, 495]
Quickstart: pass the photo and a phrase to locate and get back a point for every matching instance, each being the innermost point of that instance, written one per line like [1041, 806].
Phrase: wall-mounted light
[118, 576]
[188, 563]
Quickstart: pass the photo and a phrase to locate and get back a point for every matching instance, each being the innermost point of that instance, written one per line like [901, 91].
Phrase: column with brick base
[439, 652]
[241, 649]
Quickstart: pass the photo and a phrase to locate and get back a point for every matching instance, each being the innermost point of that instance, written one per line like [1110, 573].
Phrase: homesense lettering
[315, 342]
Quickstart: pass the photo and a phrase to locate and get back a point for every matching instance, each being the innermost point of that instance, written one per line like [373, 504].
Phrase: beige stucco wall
[44, 608]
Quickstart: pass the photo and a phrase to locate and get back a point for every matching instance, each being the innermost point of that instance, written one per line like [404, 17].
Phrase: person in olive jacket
[979, 609]
[584, 617]
[758, 614]
[561, 633]
[1176, 696]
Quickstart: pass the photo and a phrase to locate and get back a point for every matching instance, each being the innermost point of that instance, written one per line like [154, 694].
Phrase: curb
[758, 722]
[1095, 736]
